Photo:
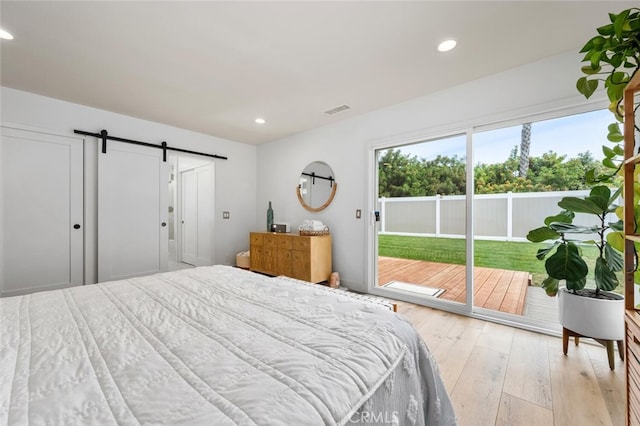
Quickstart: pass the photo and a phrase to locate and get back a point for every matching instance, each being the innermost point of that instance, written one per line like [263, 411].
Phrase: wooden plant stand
[566, 333]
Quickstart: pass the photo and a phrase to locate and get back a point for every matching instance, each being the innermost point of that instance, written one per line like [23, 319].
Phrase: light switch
[225, 215]
[358, 214]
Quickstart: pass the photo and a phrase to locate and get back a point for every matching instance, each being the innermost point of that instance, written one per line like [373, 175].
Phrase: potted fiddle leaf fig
[612, 58]
[591, 311]
[587, 306]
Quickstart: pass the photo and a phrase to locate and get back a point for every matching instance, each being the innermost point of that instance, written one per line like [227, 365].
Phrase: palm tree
[525, 144]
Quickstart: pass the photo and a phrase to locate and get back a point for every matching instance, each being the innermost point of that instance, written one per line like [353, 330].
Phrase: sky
[566, 135]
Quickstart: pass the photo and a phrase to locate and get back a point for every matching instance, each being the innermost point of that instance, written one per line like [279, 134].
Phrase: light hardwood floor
[499, 375]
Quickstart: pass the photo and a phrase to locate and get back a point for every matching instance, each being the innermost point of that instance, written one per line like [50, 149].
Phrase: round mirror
[316, 187]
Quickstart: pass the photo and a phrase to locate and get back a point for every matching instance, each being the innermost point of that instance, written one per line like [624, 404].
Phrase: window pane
[521, 173]
[421, 237]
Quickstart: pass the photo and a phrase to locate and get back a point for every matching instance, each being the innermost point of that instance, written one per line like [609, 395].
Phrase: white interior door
[132, 212]
[197, 194]
[41, 211]
[189, 222]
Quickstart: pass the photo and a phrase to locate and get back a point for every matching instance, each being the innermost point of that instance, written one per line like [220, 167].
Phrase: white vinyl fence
[507, 216]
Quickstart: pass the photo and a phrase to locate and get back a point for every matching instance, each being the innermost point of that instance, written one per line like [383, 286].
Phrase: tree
[407, 176]
[444, 175]
[397, 174]
[401, 175]
[525, 145]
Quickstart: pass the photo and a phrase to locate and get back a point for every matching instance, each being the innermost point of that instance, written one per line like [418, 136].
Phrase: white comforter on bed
[216, 346]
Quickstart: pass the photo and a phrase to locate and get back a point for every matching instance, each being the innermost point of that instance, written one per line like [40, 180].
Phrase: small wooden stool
[566, 333]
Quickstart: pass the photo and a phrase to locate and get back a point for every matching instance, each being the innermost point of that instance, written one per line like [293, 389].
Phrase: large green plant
[566, 263]
[612, 58]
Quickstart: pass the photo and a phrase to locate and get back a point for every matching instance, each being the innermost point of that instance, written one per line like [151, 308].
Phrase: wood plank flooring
[499, 375]
[498, 289]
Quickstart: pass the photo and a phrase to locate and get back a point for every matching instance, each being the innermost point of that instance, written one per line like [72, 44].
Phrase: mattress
[213, 345]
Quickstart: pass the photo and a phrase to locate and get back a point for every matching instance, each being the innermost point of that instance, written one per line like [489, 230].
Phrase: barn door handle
[76, 226]
[164, 224]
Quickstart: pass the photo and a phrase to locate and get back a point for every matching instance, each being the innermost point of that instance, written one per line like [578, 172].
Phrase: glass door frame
[468, 309]
[372, 228]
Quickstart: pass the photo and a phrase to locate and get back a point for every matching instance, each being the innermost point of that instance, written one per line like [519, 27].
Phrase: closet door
[189, 222]
[132, 212]
[41, 211]
[196, 201]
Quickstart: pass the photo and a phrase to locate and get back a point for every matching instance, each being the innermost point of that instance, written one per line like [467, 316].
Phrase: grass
[516, 256]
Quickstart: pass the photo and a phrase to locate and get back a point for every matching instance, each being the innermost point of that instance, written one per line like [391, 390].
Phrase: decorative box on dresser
[632, 317]
[306, 258]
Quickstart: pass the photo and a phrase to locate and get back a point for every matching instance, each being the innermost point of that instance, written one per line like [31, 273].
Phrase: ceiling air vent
[337, 109]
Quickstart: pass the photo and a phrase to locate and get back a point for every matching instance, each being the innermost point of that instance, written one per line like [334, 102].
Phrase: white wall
[539, 87]
[235, 178]
[252, 177]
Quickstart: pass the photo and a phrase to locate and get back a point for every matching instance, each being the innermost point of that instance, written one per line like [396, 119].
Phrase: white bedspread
[216, 346]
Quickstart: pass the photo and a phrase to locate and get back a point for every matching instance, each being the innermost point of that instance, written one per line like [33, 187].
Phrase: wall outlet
[358, 214]
[225, 215]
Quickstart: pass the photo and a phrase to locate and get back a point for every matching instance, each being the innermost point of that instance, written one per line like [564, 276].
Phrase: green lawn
[517, 256]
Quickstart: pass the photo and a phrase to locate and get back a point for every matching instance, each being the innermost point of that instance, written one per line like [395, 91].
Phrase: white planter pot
[596, 318]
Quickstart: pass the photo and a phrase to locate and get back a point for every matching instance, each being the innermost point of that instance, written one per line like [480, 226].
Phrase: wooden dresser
[632, 322]
[632, 236]
[302, 257]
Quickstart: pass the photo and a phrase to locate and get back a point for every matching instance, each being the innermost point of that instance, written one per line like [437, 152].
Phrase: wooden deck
[497, 289]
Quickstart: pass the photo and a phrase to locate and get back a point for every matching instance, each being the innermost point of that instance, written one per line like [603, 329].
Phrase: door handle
[76, 226]
[164, 224]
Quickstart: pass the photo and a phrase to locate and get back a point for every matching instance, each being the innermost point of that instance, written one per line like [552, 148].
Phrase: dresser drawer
[255, 257]
[302, 243]
[284, 242]
[633, 369]
[633, 344]
[256, 239]
[284, 262]
[634, 406]
[271, 241]
[300, 256]
[301, 265]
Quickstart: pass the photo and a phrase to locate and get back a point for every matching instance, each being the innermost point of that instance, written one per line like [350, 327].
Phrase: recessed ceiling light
[260, 120]
[5, 35]
[446, 45]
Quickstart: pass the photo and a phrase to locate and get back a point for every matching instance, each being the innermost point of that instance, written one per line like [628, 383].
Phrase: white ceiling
[213, 67]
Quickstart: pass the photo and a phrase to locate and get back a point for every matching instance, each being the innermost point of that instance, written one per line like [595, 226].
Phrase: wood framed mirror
[316, 186]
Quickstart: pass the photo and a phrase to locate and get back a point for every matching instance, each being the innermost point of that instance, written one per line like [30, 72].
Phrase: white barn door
[41, 211]
[132, 212]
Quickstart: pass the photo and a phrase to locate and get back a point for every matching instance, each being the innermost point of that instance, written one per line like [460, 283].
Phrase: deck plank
[496, 289]
[483, 294]
[499, 292]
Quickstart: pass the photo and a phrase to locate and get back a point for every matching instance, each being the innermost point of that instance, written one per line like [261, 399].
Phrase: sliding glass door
[453, 214]
[420, 231]
[521, 172]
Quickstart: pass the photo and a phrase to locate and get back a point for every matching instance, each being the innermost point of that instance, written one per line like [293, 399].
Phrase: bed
[213, 345]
